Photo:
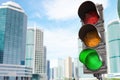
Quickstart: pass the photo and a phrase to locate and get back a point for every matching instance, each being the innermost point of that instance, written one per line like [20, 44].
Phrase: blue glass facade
[13, 26]
[2, 32]
[30, 48]
[114, 46]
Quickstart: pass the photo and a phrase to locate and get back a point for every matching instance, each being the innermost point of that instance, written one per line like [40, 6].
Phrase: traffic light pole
[98, 76]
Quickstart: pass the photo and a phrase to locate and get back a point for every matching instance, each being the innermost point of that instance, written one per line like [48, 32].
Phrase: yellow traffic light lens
[90, 58]
[92, 39]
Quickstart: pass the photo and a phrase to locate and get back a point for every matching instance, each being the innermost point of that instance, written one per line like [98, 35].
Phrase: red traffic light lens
[91, 18]
[88, 13]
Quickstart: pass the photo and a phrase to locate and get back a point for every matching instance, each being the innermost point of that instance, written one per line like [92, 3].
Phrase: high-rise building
[51, 73]
[73, 69]
[68, 68]
[60, 65]
[13, 24]
[57, 71]
[45, 65]
[76, 69]
[35, 51]
[48, 70]
[118, 8]
[113, 30]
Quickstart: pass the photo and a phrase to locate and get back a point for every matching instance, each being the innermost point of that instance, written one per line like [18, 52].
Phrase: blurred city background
[39, 40]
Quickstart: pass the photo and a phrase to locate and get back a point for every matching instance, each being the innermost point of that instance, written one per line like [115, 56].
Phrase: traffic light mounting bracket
[98, 76]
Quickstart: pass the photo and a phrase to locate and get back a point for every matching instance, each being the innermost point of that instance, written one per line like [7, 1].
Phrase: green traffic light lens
[90, 58]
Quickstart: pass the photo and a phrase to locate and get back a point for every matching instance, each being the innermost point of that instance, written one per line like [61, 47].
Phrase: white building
[68, 68]
[57, 72]
[35, 51]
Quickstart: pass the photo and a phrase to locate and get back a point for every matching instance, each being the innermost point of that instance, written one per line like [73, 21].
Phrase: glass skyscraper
[114, 46]
[13, 24]
[35, 51]
[30, 51]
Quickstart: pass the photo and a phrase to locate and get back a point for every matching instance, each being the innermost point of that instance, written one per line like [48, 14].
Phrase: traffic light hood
[85, 29]
[89, 8]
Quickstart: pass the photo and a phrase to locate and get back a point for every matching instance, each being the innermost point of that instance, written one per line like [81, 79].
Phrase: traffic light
[93, 55]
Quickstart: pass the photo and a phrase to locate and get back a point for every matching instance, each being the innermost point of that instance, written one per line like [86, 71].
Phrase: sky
[60, 22]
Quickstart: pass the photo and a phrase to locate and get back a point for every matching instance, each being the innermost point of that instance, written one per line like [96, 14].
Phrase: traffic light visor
[88, 13]
[90, 58]
[89, 35]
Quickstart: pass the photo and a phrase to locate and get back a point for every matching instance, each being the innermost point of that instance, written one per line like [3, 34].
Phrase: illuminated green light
[90, 58]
